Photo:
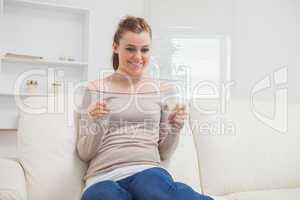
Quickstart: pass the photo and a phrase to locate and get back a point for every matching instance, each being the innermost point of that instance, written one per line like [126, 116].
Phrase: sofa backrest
[46, 150]
[183, 165]
[243, 149]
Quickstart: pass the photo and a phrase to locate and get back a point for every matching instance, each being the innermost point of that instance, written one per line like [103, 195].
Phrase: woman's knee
[154, 175]
[157, 183]
[154, 183]
[184, 191]
[106, 190]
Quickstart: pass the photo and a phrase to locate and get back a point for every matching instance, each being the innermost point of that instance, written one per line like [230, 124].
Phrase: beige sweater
[135, 132]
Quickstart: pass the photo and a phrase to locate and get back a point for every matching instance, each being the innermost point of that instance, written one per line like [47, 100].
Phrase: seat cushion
[47, 151]
[12, 181]
[290, 194]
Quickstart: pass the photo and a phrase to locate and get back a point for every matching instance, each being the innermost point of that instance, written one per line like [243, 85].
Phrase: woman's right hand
[98, 109]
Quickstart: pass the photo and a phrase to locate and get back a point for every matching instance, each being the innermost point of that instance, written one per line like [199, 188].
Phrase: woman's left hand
[178, 115]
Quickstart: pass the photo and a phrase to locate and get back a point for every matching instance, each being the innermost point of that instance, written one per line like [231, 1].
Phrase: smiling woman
[124, 141]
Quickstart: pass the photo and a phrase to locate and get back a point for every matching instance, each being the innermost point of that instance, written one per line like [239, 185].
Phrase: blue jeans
[151, 184]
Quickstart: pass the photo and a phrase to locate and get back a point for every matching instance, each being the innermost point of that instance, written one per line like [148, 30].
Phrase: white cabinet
[40, 43]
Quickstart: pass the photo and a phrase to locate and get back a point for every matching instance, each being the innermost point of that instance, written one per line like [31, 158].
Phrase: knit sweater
[136, 131]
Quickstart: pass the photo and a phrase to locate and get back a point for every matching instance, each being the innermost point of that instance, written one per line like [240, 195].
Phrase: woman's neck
[122, 82]
[123, 76]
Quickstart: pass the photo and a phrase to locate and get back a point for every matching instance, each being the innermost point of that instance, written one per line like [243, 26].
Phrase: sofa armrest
[12, 180]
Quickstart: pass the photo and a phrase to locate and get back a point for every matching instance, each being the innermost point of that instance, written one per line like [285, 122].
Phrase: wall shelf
[44, 62]
[40, 5]
[8, 130]
[24, 94]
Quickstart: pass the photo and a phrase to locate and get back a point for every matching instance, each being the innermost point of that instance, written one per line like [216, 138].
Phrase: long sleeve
[90, 131]
[168, 133]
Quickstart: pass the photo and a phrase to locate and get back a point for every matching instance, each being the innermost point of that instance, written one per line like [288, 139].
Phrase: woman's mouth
[136, 65]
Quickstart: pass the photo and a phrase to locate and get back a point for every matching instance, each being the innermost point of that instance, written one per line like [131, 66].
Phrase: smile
[136, 65]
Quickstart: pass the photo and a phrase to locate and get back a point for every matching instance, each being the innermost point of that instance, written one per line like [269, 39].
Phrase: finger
[179, 121]
[102, 112]
[106, 109]
[180, 106]
[99, 111]
[177, 107]
[178, 125]
[101, 107]
[179, 118]
[184, 115]
[171, 116]
[102, 103]
[98, 115]
[181, 112]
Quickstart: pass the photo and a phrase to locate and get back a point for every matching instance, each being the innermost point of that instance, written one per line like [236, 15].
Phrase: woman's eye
[130, 49]
[145, 50]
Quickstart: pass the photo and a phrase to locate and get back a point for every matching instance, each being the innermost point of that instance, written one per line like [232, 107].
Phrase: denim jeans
[151, 184]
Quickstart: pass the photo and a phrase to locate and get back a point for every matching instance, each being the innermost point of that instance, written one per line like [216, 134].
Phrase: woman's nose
[138, 55]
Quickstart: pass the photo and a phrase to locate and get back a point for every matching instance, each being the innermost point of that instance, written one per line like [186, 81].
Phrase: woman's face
[134, 53]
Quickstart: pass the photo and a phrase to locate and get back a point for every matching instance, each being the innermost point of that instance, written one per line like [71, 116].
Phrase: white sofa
[246, 160]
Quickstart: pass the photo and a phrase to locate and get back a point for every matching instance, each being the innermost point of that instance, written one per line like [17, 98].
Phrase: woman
[123, 151]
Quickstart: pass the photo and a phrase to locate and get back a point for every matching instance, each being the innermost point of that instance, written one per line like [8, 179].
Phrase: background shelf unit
[50, 31]
[44, 30]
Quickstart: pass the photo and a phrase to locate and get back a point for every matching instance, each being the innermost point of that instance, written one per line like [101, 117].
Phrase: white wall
[207, 16]
[266, 36]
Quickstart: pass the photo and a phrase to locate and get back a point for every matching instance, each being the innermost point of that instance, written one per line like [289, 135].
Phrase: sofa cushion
[46, 147]
[12, 181]
[238, 152]
[290, 194]
[183, 165]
